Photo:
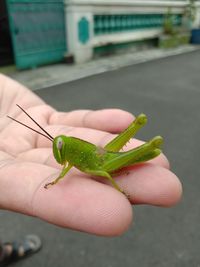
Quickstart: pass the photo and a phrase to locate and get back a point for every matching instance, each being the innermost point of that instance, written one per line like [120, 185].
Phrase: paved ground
[168, 90]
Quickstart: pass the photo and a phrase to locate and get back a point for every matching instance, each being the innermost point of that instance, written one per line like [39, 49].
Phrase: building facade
[48, 30]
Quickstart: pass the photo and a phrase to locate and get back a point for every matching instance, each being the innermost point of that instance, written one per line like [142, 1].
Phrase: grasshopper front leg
[62, 174]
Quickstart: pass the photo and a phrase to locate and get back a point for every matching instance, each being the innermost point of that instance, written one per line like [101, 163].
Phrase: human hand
[78, 201]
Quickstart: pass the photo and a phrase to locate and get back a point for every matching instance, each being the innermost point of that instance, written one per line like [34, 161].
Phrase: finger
[151, 184]
[40, 155]
[111, 120]
[145, 183]
[75, 202]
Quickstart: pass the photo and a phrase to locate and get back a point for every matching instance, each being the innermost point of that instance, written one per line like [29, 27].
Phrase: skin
[79, 201]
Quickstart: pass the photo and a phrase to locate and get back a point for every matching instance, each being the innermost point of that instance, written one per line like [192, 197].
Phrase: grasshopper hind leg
[109, 177]
[121, 140]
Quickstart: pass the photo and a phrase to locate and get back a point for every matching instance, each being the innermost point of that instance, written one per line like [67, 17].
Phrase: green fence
[108, 24]
[38, 31]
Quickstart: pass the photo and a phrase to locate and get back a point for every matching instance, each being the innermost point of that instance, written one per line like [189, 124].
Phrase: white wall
[77, 9]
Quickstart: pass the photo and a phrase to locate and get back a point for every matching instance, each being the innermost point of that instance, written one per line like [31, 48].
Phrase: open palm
[78, 201]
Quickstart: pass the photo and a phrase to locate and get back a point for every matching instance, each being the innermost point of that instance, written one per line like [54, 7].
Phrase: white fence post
[79, 27]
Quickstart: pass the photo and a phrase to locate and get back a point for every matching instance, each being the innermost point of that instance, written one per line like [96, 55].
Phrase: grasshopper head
[59, 148]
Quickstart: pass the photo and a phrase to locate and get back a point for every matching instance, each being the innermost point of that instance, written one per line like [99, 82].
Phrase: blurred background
[34, 32]
[141, 56]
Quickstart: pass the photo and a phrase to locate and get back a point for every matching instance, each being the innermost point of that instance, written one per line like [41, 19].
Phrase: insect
[93, 160]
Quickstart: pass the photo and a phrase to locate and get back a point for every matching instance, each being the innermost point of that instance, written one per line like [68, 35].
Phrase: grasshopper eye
[59, 143]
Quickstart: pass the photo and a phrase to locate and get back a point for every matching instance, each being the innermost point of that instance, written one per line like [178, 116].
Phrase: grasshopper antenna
[30, 128]
[35, 122]
[47, 135]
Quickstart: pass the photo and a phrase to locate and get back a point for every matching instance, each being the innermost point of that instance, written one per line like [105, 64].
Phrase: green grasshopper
[97, 161]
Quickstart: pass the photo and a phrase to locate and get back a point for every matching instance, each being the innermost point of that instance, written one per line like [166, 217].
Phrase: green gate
[37, 31]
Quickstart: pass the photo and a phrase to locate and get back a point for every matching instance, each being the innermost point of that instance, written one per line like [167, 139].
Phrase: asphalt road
[168, 91]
